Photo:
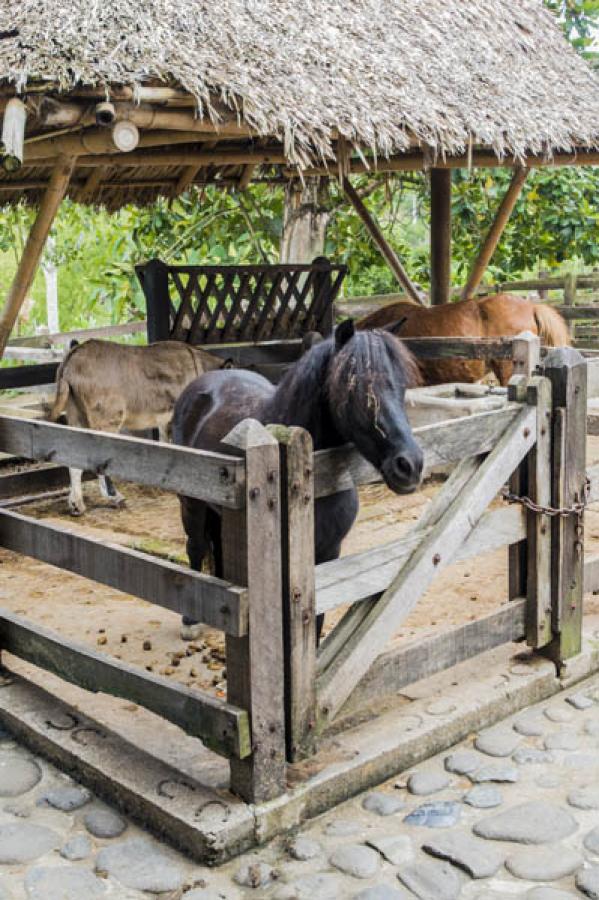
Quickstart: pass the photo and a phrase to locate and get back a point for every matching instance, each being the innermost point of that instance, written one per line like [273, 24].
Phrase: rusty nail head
[297, 595]
[271, 504]
[271, 475]
[254, 493]
[526, 432]
[223, 474]
[436, 559]
[295, 487]
[307, 498]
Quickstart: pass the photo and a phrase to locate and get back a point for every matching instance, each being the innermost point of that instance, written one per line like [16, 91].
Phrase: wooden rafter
[495, 231]
[381, 242]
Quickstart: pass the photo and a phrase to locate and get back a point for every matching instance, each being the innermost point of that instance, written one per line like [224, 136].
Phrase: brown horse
[501, 315]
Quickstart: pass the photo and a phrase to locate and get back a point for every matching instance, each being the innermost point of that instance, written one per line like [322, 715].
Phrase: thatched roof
[387, 75]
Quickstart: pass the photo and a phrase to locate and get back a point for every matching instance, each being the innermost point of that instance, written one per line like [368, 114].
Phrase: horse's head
[369, 372]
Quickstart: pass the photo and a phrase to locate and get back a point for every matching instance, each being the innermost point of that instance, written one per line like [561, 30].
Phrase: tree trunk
[305, 221]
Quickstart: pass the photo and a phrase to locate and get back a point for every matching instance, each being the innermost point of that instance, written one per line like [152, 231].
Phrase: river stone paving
[483, 796]
[536, 822]
[104, 823]
[356, 860]
[17, 775]
[63, 883]
[508, 820]
[382, 804]
[497, 742]
[476, 857]
[65, 798]
[431, 880]
[544, 864]
[424, 783]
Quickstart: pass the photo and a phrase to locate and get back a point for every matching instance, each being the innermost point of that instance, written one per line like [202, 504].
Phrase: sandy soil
[148, 636]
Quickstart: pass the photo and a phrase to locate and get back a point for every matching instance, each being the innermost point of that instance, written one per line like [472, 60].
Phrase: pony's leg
[76, 502]
[194, 516]
[164, 433]
[109, 492]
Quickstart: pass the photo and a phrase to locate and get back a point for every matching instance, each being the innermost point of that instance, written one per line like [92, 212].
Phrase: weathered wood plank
[352, 579]
[299, 606]
[30, 481]
[429, 558]
[213, 477]
[443, 442]
[538, 582]
[201, 597]
[27, 376]
[251, 544]
[567, 371]
[459, 348]
[398, 668]
[222, 727]
[593, 476]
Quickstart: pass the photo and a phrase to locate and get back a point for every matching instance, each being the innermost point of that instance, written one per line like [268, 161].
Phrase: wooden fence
[283, 692]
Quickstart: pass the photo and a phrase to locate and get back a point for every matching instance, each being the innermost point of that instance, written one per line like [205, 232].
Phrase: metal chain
[577, 508]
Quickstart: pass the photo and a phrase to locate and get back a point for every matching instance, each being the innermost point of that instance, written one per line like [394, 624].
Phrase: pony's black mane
[326, 377]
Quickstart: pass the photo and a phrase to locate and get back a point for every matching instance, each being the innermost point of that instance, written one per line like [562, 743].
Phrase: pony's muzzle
[403, 472]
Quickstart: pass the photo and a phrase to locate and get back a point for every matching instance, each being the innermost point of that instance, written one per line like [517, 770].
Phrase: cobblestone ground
[512, 812]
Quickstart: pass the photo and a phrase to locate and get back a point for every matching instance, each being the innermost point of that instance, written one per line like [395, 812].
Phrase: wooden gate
[282, 693]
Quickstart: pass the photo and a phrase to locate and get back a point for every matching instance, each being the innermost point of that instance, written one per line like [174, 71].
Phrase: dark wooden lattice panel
[218, 304]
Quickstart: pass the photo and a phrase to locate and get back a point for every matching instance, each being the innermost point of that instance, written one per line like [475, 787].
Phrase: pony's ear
[228, 364]
[395, 327]
[344, 333]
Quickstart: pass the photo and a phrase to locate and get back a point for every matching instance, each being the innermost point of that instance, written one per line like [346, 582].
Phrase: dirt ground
[148, 636]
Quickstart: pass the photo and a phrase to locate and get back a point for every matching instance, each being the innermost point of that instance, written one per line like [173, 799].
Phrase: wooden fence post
[299, 591]
[251, 542]
[566, 368]
[526, 353]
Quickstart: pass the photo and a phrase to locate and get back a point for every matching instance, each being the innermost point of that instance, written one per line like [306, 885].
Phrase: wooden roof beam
[173, 158]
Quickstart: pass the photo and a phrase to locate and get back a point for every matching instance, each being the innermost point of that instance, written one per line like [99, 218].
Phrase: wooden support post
[251, 543]
[497, 228]
[92, 183]
[25, 273]
[570, 298]
[526, 354]
[440, 240]
[566, 368]
[379, 239]
[299, 595]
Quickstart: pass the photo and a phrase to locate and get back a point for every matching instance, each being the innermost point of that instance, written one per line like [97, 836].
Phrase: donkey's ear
[344, 333]
[395, 327]
[228, 364]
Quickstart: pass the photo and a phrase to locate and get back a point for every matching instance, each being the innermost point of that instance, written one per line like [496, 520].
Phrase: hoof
[117, 501]
[76, 509]
[191, 632]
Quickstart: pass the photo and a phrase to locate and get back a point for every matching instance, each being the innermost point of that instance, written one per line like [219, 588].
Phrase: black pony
[349, 388]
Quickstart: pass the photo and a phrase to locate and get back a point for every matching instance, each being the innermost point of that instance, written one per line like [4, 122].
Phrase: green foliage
[580, 21]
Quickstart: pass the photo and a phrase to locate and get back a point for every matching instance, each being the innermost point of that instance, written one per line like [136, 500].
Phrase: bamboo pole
[200, 158]
[246, 176]
[28, 264]
[417, 162]
[440, 236]
[376, 234]
[495, 231]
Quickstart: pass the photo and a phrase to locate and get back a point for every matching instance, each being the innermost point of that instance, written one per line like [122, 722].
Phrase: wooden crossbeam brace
[29, 262]
[493, 237]
[381, 242]
[436, 551]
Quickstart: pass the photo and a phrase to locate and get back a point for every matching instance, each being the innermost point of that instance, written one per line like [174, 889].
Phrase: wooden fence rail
[213, 477]
[201, 597]
[223, 727]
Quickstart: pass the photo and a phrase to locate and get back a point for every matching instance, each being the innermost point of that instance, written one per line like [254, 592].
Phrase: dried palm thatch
[384, 75]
